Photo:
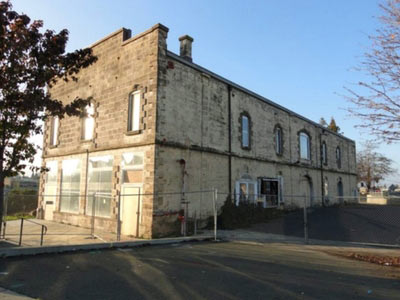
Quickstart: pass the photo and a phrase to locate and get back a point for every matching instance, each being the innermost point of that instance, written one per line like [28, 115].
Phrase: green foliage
[21, 201]
[243, 215]
[31, 61]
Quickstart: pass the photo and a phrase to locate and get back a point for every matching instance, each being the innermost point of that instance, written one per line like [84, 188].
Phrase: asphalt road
[200, 271]
[364, 223]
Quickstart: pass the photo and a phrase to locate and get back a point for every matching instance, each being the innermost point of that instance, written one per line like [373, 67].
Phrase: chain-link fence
[132, 214]
[370, 219]
[110, 218]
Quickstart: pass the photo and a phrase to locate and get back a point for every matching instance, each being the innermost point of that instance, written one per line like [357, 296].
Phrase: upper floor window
[88, 123]
[304, 141]
[245, 120]
[338, 157]
[54, 125]
[278, 140]
[324, 156]
[134, 111]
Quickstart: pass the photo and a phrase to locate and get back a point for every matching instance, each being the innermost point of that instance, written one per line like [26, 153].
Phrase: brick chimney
[186, 47]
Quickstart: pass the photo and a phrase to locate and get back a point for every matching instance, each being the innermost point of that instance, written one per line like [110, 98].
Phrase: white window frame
[134, 112]
[130, 167]
[88, 123]
[247, 182]
[305, 135]
[54, 127]
[279, 180]
[89, 212]
[65, 165]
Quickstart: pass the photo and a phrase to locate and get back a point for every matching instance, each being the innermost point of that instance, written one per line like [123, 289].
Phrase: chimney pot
[186, 47]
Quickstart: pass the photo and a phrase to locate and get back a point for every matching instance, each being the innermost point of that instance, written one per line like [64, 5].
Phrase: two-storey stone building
[159, 124]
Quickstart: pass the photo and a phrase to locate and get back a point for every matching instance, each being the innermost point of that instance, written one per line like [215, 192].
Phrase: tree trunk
[1, 201]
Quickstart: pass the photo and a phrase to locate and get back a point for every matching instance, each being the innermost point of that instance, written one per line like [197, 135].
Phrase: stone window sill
[134, 132]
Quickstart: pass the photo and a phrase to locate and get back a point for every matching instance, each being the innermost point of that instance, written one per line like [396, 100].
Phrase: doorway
[340, 191]
[49, 200]
[130, 210]
[309, 191]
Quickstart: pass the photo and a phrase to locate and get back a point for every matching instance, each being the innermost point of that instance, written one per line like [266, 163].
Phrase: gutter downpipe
[322, 169]
[230, 141]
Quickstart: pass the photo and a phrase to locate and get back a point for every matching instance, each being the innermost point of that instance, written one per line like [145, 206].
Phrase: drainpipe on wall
[182, 162]
[229, 141]
[86, 181]
[322, 168]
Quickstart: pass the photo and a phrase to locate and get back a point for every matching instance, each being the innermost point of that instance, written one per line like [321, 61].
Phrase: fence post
[138, 215]
[215, 196]
[119, 218]
[4, 229]
[305, 221]
[41, 237]
[93, 213]
[195, 223]
[20, 231]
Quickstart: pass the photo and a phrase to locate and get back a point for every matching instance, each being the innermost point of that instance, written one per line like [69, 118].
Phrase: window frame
[278, 138]
[247, 116]
[338, 157]
[324, 153]
[131, 128]
[248, 194]
[64, 163]
[95, 185]
[54, 129]
[86, 116]
[305, 134]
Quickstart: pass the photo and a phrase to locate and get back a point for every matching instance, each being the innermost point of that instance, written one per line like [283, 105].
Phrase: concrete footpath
[20, 251]
[10, 295]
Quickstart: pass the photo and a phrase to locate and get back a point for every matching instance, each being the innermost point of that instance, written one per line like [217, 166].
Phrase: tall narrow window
[134, 111]
[304, 141]
[324, 154]
[70, 183]
[54, 125]
[88, 123]
[338, 157]
[132, 167]
[278, 140]
[50, 182]
[245, 132]
[100, 186]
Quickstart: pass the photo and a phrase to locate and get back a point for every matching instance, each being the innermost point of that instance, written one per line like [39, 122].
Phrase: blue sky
[298, 53]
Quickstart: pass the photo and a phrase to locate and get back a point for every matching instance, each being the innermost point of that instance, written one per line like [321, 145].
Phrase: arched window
[324, 155]
[338, 157]
[278, 140]
[326, 187]
[304, 143]
[245, 125]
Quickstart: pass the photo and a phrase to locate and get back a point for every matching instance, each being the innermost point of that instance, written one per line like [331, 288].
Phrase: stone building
[159, 124]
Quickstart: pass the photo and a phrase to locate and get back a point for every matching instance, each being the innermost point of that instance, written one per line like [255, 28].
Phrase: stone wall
[125, 64]
[193, 125]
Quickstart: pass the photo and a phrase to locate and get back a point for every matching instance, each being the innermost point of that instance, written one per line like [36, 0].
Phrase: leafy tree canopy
[31, 61]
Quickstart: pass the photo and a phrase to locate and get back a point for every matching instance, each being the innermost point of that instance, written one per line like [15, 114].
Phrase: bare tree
[371, 165]
[377, 101]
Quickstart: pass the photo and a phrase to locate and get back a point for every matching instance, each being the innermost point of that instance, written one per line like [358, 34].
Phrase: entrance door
[130, 210]
[49, 202]
[340, 191]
